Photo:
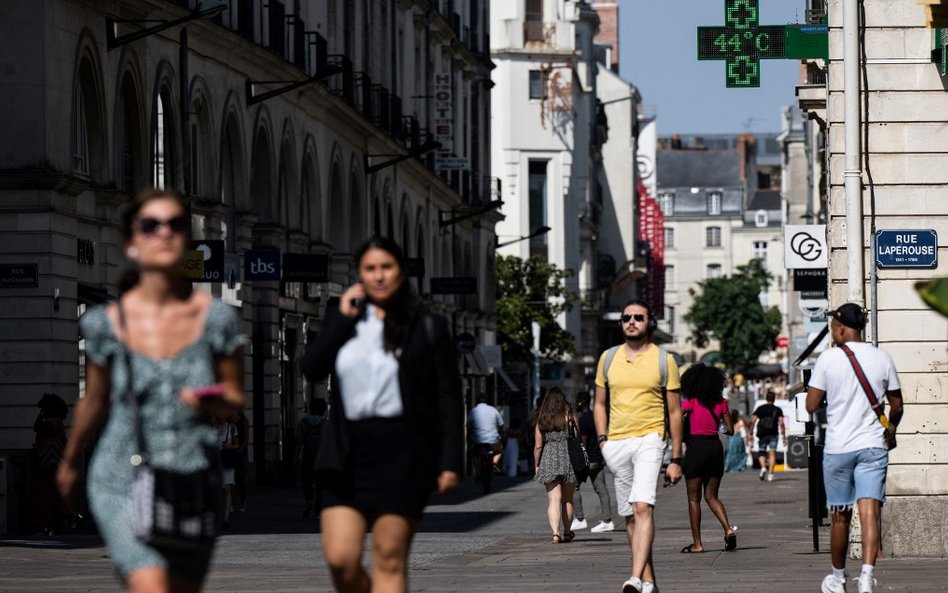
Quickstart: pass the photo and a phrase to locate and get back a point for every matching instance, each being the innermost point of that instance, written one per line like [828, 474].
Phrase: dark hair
[652, 322]
[553, 411]
[582, 399]
[735, 416]
[703, 383]
[317, 406]
[402, 310]
[130, 276]
[771, 396]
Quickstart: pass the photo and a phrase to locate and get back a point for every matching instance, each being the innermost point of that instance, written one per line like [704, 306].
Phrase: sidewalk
[499, 542]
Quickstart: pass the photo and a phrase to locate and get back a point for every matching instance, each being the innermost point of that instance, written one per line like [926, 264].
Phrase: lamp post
[540, 230]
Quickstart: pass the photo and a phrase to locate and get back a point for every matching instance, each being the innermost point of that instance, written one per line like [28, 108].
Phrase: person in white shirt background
[486, 424]
[856, 455]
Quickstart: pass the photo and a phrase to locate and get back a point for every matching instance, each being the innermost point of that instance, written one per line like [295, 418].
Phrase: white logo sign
[804, 246]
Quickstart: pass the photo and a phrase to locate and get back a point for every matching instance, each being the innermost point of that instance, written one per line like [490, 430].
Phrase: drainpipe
[852, 174]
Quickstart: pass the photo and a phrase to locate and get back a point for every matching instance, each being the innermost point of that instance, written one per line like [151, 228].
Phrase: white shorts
[635, 464]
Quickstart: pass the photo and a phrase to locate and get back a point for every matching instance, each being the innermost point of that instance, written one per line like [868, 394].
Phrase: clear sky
[658, 54]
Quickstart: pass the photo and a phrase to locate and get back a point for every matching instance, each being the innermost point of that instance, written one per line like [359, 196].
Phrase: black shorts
[704, 457]
[379, 477]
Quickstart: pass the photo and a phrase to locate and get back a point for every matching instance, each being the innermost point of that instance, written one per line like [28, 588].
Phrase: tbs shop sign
[907, 249]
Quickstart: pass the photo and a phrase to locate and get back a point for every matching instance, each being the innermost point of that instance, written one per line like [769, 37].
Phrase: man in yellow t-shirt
[632, 435]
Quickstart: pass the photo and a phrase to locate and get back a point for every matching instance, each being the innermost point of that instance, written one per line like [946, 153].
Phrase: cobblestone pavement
[474, 543]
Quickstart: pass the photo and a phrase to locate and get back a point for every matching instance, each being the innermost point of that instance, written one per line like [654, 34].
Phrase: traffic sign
[907, 249]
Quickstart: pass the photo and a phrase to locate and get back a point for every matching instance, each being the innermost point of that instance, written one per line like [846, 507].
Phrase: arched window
[231, 167]
[131, 174]
[88, 134]
[356, 213]
[162, 135]
[261, 177]
[336, 217]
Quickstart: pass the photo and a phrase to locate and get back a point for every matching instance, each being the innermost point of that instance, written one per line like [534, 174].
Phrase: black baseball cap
[850, 315]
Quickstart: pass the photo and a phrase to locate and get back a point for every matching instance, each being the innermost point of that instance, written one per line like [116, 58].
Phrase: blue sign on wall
[907, 249]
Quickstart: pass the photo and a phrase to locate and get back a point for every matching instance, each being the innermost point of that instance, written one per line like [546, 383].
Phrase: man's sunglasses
[150, 226]
[637, 316]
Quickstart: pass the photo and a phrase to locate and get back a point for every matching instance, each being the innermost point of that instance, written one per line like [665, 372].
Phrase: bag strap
[140, 457]
[874, 402]
[663, 384]
[610, 356]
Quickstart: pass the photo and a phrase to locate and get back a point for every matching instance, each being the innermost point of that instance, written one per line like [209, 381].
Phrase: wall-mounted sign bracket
[415, 152]
[202, 10]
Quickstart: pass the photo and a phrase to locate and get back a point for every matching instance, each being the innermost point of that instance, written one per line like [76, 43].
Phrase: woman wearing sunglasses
[170, 340]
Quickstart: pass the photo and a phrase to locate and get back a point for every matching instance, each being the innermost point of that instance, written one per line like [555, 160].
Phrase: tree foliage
[532, 290]
[728, 310]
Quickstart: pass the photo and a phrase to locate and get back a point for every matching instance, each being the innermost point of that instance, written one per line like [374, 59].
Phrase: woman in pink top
[701, 388]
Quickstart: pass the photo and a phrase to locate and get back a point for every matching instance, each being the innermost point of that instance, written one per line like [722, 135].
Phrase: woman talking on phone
[394, 428]
[160, 363]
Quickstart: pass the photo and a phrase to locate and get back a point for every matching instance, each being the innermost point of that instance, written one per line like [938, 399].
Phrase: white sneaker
[603, 526]
[633, 585]
[649, 587]
[763, 473]
[867, 584]
[578, 524]
[832, 584]
[770, 477]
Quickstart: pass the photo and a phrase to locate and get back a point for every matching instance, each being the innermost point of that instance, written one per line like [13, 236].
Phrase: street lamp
[541, 230]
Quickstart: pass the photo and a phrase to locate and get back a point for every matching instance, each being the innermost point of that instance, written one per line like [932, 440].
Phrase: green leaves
[532, 290]
[728, 310]
[935, 294]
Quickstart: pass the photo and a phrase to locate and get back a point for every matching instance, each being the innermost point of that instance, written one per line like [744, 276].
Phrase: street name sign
[907, 249]
[19, 275]
[742, 43]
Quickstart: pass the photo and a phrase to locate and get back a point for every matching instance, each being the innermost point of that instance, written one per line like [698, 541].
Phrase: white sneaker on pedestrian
[763, 473]
[649, 587]
[770, 477]
[633, 585]
[578, 524]
[867, 584]
[603, 526]
[832, 584]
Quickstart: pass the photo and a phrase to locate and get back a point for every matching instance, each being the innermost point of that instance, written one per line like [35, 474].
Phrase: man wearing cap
[856, 454]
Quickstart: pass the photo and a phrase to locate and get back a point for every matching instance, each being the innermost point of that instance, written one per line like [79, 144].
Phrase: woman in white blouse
[394, 428]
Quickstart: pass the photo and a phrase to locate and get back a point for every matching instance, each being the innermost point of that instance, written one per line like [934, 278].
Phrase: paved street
[499, 543]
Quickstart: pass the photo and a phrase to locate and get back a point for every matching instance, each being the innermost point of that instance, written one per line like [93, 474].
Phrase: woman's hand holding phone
[352, 300]
[194, 396]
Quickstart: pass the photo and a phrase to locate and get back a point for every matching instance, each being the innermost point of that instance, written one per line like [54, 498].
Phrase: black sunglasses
[150, 226]
[637, 316]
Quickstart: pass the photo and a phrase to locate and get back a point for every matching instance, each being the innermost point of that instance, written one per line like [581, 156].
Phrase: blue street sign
[907, 249]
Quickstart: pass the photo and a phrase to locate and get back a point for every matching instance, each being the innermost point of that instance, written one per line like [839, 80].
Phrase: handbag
[577, 454]
[874, 403]
[169, 508]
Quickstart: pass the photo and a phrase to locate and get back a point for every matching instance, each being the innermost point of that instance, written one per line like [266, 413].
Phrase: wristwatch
[602, 438]
[675, 460]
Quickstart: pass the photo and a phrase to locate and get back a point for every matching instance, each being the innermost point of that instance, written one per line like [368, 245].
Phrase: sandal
[568, 537]
[690, 549]
[557, 539]
[730, 542]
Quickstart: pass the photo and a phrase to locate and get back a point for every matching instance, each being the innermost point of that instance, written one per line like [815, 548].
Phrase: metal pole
[535, 327]
[852, 174]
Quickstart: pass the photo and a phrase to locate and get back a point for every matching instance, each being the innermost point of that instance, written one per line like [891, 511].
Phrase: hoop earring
[131, 253]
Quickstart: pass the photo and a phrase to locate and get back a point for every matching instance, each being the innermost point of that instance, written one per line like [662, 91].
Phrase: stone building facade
[904, 185]
[296, 165]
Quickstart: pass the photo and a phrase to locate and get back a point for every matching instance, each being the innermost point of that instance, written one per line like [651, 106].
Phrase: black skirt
[704, 457]
[378, 479]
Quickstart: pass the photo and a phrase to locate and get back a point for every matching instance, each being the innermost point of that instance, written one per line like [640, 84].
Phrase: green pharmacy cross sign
[742, 42]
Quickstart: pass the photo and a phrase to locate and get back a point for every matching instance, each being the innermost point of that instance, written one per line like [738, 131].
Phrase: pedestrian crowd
[164, 400]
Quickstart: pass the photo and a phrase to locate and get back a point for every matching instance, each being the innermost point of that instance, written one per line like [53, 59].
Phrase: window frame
[714, 203]
[541, 81]
[718, 271]
[761, 218]
[710, 234]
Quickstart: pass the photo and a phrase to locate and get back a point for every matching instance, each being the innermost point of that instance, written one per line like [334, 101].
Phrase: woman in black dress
[394, 427]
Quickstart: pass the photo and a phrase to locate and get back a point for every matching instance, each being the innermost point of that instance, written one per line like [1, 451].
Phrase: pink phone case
[209, 391]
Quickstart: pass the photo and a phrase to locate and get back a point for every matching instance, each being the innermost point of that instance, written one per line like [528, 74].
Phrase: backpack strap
[663, 384]
[610, 355]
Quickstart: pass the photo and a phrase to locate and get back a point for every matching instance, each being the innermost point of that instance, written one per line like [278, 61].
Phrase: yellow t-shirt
[635, 392]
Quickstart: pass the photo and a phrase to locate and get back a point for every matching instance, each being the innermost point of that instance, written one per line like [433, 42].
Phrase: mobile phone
[357, 302]
[210, 391]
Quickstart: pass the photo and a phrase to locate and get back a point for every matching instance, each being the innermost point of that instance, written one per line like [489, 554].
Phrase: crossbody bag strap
[131, 398]
[874, 402]
[610, 356]
[663, 384]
